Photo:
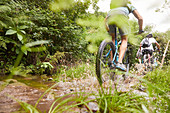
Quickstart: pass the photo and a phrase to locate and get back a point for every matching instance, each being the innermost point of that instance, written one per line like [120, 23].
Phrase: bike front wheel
[104, 61]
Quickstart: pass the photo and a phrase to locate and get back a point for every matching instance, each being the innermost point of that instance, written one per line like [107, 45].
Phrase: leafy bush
[28, 21]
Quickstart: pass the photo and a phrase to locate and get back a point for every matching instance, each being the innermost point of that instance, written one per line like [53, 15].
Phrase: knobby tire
[101, 61]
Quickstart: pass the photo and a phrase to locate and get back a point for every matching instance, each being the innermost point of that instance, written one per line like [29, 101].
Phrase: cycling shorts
[119, 21]
[147, 51]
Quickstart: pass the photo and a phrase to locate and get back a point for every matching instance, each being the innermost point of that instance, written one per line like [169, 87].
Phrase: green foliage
[95, 31]
[70, 28]
[160, 78]
[120, 102]
[19, 70]
[58, 5]
[27, 21]
[80, 71]
[3, 42]
[162, 39]
[157, 83]
[27, 107]
[56, 57]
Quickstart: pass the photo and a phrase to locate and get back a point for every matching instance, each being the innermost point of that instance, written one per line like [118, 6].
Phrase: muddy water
[28, 90]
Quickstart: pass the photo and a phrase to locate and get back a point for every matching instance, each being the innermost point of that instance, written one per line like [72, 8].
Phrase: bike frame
[115, 56]
[149, 57]
[107, 59]
[149, 62]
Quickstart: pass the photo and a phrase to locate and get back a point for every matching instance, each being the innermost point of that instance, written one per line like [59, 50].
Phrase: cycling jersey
[151, 41]
[126, 10]
[119, 17]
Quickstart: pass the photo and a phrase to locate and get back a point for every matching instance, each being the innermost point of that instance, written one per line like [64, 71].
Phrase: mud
[30, 89]
[17, 90]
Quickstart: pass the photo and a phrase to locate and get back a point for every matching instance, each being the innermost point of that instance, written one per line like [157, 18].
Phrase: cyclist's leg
[124, 31]
[140, 61]
[138, 56]
[144, 55]
[112, 32]
[151, 56]
[122, 48]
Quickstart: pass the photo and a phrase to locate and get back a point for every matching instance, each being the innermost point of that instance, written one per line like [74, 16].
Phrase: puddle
[28, 90]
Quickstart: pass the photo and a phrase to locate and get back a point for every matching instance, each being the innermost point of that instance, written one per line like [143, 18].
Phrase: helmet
[149, 35]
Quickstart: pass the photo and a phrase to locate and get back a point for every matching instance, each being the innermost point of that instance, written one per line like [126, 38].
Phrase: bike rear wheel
[103, 61]
[147, 63]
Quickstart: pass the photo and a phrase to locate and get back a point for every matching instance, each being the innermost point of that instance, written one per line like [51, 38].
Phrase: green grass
[120, 102]
[159, 89]
[78, 71]
[160, 78]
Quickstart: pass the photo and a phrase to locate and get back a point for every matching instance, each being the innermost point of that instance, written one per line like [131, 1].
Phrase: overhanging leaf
[23, 31]
[23, 27]
[11, 32]
[20, 37]
[61, 4]
[37, 49]
[39, 42]
[24, 48]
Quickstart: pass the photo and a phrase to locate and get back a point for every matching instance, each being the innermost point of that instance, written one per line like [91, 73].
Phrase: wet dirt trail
[29, 90]
[13, 89]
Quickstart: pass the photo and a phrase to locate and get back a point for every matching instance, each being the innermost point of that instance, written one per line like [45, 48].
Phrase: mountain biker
[139, 55]
[147, 46]
[118, 17]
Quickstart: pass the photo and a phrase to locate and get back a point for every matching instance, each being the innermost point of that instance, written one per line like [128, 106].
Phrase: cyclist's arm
[140, 19]
[153, 40]
[158, 46]
[106, 26]
[140, 46]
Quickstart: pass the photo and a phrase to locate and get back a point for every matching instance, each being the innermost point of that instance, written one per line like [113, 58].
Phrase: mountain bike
[106, 59]
[148, 60]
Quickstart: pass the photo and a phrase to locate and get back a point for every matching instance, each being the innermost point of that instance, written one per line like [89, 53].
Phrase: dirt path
[30, 94]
